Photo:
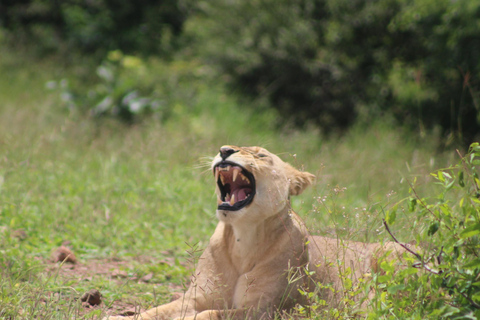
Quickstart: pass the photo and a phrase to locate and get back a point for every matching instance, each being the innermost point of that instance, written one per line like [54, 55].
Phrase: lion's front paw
[115, 318]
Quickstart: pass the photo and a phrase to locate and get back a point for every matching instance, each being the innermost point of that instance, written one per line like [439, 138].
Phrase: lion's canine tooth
[235, 173]
[217, 171]
[222, 179]
[219, 201]
[232, 201]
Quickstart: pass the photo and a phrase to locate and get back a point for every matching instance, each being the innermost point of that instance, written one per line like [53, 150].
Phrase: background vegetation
[110, 110]
[326, 62]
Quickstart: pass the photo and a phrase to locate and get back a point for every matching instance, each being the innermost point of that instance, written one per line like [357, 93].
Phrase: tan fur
[256, 259]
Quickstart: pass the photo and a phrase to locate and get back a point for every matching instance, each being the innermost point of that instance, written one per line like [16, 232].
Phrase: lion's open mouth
[236, 184]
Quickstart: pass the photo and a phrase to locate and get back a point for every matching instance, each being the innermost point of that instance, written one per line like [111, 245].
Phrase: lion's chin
[227, 216]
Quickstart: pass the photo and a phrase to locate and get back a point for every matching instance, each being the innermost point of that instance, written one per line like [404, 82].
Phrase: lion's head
[253, 182]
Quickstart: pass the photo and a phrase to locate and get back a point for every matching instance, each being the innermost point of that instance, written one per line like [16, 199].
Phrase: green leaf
[461, 181]
[387, 266]
[411, 204]
[393, 289]
[470, 231]
[440, 176]
[433, 228]
[476, 296]
[409, 271]
[391, 215]
[347, 283]
[473, 264]
[450, 185]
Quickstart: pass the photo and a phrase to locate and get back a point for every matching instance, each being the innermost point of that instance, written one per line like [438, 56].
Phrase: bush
[333, 61]
[146, 26]
[446, 280]
[128, 88]
[440, 277]
[273, 49]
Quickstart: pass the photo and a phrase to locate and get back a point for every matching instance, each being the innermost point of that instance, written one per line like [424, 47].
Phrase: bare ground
[109, 269]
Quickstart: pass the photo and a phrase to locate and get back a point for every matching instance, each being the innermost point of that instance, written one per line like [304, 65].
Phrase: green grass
[111, 191]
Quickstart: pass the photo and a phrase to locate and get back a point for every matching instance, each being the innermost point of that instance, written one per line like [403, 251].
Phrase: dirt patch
[117, 270]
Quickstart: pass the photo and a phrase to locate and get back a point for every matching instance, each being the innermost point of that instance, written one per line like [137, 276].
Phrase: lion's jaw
[253, 184]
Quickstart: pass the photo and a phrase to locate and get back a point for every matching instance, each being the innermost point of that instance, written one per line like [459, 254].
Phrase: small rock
[19, 234]
[147, 277]
[119, 274]
[63, 254]
[93, 297]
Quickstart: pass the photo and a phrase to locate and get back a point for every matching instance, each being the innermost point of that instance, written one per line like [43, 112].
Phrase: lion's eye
[262, 155]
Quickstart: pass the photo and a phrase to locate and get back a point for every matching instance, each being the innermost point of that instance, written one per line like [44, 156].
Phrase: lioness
[260, 252]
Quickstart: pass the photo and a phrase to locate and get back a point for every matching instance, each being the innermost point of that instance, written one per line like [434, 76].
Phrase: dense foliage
[438, 276]
[326, 62]
[330, 61]
[133, 26]
[446, 282]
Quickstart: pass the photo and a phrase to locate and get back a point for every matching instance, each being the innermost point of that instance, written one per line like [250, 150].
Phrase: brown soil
[111, 269]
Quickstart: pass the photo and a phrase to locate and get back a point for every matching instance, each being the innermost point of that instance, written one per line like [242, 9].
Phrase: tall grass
[111, 190]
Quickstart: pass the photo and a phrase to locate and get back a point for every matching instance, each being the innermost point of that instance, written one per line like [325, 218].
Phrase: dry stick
[439, 257]
[419, 257]
[473, 303]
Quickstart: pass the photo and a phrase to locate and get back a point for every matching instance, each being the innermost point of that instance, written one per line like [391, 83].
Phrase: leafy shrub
[446, 280]
[273, 49]
[146, 26]
[332, 61]
[440, 276]
[128, 88]
[441, 60]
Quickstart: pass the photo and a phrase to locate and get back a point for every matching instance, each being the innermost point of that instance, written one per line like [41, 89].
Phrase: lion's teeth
[244, 178]
[216, 174]
[219, 201]
[232, 201]
[235, 173]
[222, 179]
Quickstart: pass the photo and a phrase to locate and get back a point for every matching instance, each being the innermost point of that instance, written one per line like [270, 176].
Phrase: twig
[473, 303]
[419, 257]
[439, 257]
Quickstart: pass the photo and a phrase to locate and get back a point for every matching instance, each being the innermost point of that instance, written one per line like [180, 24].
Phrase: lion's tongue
[241, 193]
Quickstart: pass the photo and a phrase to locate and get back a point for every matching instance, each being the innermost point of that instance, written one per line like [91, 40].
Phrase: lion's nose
[226, 152]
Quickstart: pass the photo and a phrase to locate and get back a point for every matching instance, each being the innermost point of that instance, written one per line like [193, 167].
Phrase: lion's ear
[299, 181]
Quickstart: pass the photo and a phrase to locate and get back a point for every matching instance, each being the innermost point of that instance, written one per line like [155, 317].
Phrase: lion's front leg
[231, 314]
[177, 309]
